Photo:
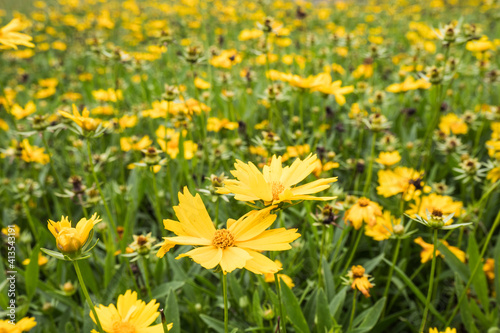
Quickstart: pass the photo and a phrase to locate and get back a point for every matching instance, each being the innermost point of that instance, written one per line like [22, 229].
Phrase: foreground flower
[71, 240]
[84, 121]
[364, 210]
[359, 280]
[23, 325]
[238, 246]
[129, 315]
[275, 183]
[10, 37]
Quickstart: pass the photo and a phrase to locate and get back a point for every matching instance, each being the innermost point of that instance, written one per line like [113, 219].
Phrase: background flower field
[326, 166]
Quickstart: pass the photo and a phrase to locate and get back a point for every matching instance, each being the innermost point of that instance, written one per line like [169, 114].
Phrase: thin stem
[224, 292]
[34, 230]
[391, 270]
[431, 283]
[96, 180]
[145, 264]
[353, 250]
[370, 166]
[353, 308]
[282, 317]
[87, 296]
[476, 268]
[321, 254]
[51, 163]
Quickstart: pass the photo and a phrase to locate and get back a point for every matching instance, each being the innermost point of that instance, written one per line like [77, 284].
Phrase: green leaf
[479, 282]
[415, 290]
[455, 264]
[371, 317]
[215, 324]
[31, 276]
[110, 292]
[53, 254]
[164, 289]
[497, 271]
[324, 317]
[172, 312]
[329, 283]
[465, 312]
[337, 302]
[292, 307]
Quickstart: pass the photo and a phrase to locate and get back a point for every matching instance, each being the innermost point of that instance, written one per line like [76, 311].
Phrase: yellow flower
[130, 315]
[428, 249]
[215, 124]
[335, 89]
[23, 325]
[448, 330]
[201, 84]
[42, 260]
[109, 95]
[127, 121]
[32, 154]
[171, 146]
[400, 180]
[20, 113]
[3, 125]
[226, 59]
[311, 81]
[363, 70]
[134, 143]
[84, 121]
[275, 183]
[248, 34]
[10, 37]
[489, 268]
[480, 45]
[269, 277]
[493, 174]
[432, 202]
[238, 246]
[68, 239]
[364, 210]
[359, 280]
[383, 227]
[452, 123]
[17, 231]
[388, 158]
[409, 84]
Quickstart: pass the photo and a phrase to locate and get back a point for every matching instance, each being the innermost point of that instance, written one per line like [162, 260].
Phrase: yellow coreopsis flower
[42, 260]
[275, 183]
[359, 280]
[401, 180]
[448, 330]
[83, 120]
[452, 123]
[33, 154]
[129, 315]
[388, 158]
[364, 210]
[69, 239]
[435, 202]
[238, 246]
[383, 227]
[23, 325]
[428, 249]
[489, 269]
[10, 37]
[215, 124]
[20, 112]
[201, 84]
[134, 143]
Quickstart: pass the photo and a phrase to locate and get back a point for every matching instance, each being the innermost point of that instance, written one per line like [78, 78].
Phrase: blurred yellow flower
[23, 325]
[364, 210]
[84, 120]
[269, 277]
[275, 183]
[428, 249]
[20, 113]
[388, 158]
[11, 38]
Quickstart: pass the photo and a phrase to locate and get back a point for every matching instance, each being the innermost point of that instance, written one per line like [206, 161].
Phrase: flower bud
[68, 241]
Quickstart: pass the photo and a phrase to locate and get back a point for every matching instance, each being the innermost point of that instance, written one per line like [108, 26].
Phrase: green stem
[370, 166]
[353, 309]
[51, 163]
[145, 264]
[282, 320]
[353, 250]
[321, 254]
[112, 224]
[224, 292]
[34, 230]
[87, 296]
[391, 270]
[431, 283]
[476, 268]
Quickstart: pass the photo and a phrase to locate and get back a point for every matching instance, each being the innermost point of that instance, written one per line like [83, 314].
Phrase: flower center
[363, 202]
[123, 327]
[277, 189]
[357, 271]
[141, 240]
[223, 239]
[437, 213]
